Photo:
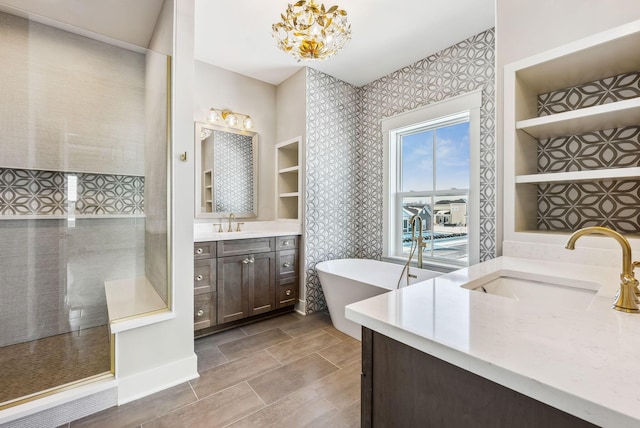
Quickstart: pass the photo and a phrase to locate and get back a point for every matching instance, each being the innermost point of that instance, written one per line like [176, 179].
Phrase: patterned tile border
[34, 192]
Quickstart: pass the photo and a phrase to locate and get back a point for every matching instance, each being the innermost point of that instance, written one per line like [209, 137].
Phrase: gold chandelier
[308, 31]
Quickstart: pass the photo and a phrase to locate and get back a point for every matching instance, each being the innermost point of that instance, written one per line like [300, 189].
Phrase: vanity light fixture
[309, 31]
[229, 117]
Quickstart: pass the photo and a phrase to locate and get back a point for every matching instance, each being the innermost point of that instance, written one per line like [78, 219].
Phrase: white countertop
[204, 232]
[582, 359]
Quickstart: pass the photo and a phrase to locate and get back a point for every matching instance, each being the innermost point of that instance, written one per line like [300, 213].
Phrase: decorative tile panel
[233, 172]
[344, 154]
[610, 148]
[604, 91]
[571, 206]
[33, 192]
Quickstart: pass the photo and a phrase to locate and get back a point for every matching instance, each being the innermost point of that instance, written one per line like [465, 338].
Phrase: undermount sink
[536, 288]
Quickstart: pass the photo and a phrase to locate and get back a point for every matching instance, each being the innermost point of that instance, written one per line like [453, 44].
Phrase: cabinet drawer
[287, 263]
[204, 311]
[287, 293]
[204, 276]
[287, 242]
[236, 247]
[204, 250]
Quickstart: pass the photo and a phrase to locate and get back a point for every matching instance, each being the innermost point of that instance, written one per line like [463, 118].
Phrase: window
[431, 171]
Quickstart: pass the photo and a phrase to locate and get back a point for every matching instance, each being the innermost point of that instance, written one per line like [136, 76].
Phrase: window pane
[444, 225]
[417, 162]
[452, 157]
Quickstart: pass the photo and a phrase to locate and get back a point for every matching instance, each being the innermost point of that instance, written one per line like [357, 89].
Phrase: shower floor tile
[30, 367]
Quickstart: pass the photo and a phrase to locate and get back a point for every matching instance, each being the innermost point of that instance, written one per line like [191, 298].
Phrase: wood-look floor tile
[142, 410]
[209, 358]
[295, 410]
[347, 418]
[268, 324]
[304, 345]
[280, 382]
[344, 353]
[340, 388]
[217, 410]
[231, 373]
[315, 321]
[254, 343]
[218, 339]
[337, 333]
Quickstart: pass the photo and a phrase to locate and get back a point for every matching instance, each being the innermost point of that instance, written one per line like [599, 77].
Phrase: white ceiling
[236, 34]
[130, 21]
[386, 35]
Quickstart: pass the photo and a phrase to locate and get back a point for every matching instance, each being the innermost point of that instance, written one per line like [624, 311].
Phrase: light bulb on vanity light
[231, 119]
[213, 116]
[247, 123]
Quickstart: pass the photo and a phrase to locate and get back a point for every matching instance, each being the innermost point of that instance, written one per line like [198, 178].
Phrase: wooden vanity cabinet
[405, 387]
[247, 279]
[246, 286]
[204, 285]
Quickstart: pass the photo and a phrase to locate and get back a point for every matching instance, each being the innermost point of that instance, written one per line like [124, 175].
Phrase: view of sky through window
[452, 159]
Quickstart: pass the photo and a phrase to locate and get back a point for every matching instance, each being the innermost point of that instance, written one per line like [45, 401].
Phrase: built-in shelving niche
[574, 136]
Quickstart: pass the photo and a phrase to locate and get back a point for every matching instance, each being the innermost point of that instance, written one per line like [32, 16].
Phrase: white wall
[158, 356]
[291, 118]
[223, 89]
[525, 28]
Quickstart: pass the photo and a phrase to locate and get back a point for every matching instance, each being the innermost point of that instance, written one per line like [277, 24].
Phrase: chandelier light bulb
[310, 31]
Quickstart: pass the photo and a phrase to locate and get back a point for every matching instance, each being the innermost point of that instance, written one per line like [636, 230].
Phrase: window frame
[432, 115]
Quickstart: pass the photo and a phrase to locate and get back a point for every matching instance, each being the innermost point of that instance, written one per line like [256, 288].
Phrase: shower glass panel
[83, 198]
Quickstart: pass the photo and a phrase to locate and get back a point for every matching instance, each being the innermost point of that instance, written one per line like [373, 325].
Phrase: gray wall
[344, 189]
[69, 105]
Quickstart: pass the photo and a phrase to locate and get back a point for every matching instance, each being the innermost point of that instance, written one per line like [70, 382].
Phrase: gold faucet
[232, 216]
[626, 300]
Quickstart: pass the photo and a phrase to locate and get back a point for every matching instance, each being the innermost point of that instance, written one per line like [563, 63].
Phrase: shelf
[289, 170]
[594, 175]
[576, 122]
[289, 195]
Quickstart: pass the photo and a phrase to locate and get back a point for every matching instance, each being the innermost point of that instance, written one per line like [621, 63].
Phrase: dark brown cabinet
[245, 286]
[246, 278]
[405, 387]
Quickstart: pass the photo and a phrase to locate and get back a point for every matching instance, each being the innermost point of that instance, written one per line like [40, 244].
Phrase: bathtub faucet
[626, 299]
[416, 219]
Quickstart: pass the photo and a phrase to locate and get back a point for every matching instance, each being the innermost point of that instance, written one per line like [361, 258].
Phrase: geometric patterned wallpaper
[34, 192]
[464, 67]
[610, 203]
[344, 152]
[571, 206]
[232, 172]
[604, 91]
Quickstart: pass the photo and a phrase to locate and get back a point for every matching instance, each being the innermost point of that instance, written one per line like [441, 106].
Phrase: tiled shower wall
[611, 203]
[344, 157]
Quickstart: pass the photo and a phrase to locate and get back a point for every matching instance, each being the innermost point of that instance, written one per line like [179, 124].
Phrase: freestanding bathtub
[346, 281]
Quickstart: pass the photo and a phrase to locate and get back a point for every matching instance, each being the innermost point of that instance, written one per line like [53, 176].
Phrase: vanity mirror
[226, 170]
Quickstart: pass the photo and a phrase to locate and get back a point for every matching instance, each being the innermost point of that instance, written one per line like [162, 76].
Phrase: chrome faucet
[627, 298]
[232, 216]
[418, 239]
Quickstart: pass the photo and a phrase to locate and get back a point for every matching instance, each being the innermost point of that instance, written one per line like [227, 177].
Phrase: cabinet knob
[200, 313]
[251, 260]
[199, 251]
[199, 278]
[288, 292]
[245, 261]
[286, 265]
[286, 243]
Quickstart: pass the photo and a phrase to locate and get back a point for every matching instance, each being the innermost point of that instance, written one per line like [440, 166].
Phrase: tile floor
[288, 371]
[30, 367]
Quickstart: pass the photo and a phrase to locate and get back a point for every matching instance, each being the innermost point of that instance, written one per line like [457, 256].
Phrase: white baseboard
[301, 307]
[149, 382]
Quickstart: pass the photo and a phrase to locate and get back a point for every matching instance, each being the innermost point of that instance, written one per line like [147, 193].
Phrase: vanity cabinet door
[204, 311]
[233, 297]
[262, 283]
